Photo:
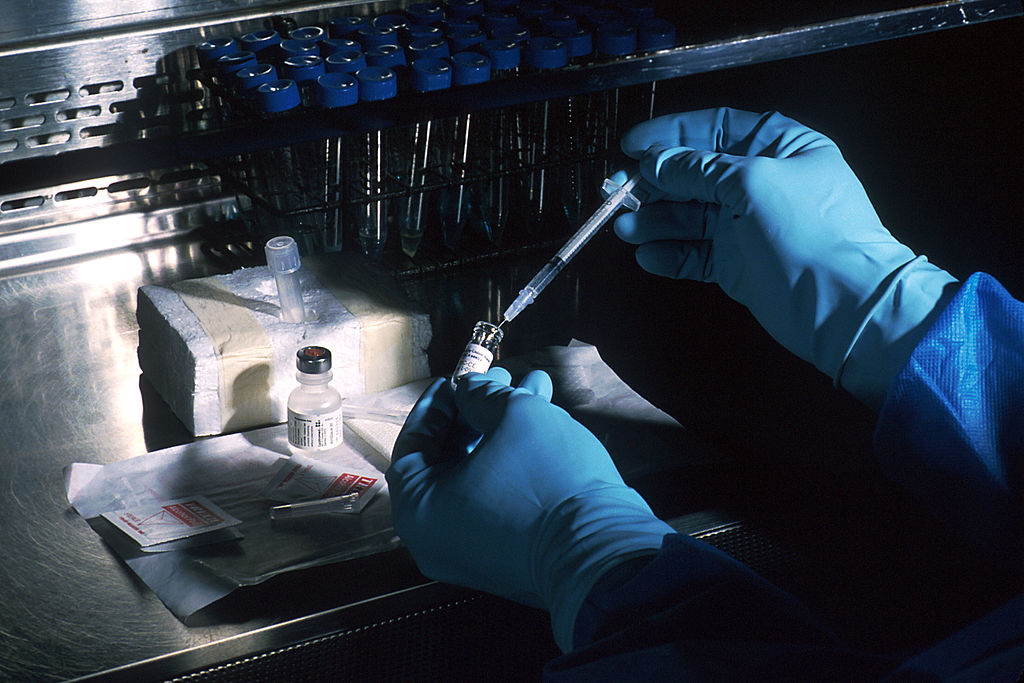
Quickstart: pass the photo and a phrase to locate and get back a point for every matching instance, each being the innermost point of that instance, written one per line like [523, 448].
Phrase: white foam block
[377, 341]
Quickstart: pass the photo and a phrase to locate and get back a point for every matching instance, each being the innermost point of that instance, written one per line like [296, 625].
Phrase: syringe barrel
[617, 196]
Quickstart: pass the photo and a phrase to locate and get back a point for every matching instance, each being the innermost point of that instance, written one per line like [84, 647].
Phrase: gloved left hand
[496, 488]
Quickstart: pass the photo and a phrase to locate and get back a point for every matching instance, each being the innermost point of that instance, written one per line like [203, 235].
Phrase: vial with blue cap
[434, 48]
[425, 13]
[308, 35]
[261, 43]
[346, 27]
[209, 51]
[336, 89]
[346, 62]
[330, 46]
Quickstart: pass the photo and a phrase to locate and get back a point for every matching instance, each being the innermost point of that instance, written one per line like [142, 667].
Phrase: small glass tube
[479, 352]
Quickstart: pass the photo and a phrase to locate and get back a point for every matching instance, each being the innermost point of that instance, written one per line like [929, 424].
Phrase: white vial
[479, 352]
[314, 407]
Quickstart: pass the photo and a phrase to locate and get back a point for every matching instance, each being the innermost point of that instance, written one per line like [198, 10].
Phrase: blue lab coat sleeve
[951, 430]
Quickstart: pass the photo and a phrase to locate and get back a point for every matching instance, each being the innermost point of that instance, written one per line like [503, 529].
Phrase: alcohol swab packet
[170, 520]
[301, 479]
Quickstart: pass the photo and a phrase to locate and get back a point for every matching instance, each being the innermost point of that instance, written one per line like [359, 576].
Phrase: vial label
[315, 432]
[475, 358]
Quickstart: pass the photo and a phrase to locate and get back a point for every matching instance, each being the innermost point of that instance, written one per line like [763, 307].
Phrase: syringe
[616, 196]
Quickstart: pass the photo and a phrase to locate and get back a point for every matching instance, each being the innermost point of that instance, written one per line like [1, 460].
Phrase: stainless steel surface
[95, 215]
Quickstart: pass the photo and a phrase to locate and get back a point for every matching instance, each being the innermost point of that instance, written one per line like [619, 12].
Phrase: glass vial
[314, 407]
[479, 352]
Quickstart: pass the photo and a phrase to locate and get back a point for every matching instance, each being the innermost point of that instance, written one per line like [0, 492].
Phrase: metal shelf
[748, 37]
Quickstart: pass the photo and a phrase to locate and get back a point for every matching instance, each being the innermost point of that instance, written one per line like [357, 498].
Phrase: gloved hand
[497, 489]
[768, 209]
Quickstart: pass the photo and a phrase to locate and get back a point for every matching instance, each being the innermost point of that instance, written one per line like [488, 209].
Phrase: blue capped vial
[435, 48]
[579, 43]
[518, 33]
[424, 13]
[421, 31]
[531, 12]
[470, 68]
[399, 22]
[278, 96]
[656, 34]
[557, 22]
[461, 40]
[546, 52]
[463, 9]
[386, 55]
[504, 55]
[210, 51]
[376, 83]
[329, 46]
[429, 74]
[251, 77]
[303, 68]
[375, 36]
[615, 40]
[229, 64]
[346, 27]
[261, 43]
[294, 48]
[347, 62]
[492, 21]
[336, 90]
[308, 35]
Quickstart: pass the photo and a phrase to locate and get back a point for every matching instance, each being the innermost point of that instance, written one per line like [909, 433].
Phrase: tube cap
[277, 96]
[425, 12]
[469, 68]
[546, 52]
[531, 11]
[375, 36]
[282, 254]
[461, 40]
[290, 48]
[313, 360]
[337, 90]
[377, 83]
[303, 68]
[496, 20]
[518, 33]
[556, 22]
[330, 46]
[656, 34]
[430, 73]
[346, 27]
[435, 48]
[252, 77]
[386, 55]
[257, 41]
[210, 51]
[462, 9]
[347, 62]
[230, 64]
[504, 54]
[579, 42]
[615, 39]
[309, 35]
[422, 31]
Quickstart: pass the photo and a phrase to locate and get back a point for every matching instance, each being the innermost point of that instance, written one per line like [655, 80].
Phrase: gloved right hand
[768, 209]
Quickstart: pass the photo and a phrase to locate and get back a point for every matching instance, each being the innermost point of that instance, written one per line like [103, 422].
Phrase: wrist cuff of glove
[582, 539]
[912, 298]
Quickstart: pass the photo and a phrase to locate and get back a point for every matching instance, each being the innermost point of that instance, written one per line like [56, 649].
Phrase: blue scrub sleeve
[951, 430]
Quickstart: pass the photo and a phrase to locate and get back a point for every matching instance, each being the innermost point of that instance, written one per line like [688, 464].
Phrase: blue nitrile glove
[768, 209]
[498, 489]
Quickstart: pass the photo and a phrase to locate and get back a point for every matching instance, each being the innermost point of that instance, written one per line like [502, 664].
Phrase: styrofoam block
[177, 355]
